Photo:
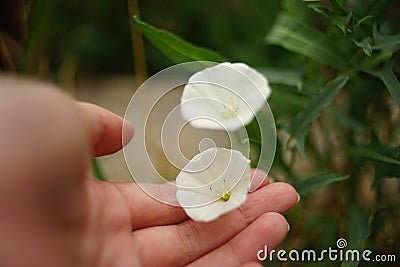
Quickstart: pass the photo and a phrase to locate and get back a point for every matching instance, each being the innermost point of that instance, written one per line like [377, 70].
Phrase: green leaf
[291, 77]
[337, 6]
[376, 59]
[390, 80]
[391, 43]
[358, 23]
[314, 183]
[174, 47]
[305, 40]
[386, 159]
[358, 230]
[364, 45]
[300, 125]
[340, 21]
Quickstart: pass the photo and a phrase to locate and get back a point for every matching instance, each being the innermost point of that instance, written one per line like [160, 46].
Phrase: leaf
[358, 230]
[291, 77]
[314, 183]
[386, 159]
[364, 45]
[305, 40]
[174, 47]
[391, 43]
[390, 80]
[340, 21]
[376, 59]
[358, 23]
[300, 125]
[338, 6]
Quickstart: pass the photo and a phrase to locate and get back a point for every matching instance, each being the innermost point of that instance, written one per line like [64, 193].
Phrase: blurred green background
[354, 138]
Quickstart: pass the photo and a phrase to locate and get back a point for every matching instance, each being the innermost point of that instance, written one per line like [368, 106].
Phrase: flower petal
[231, 94]
[207, 177]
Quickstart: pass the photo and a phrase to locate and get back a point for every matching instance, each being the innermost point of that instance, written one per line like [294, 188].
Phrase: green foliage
[314, 183]
[390, 80]
[300, 125]
[333, 69]
[341, 21]
[385, 158]
[358, 230]
[302, 39]
[174, 47]
[391, 43]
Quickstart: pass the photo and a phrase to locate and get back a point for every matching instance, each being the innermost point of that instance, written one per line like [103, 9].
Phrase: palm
[80, 221]
[137, 230]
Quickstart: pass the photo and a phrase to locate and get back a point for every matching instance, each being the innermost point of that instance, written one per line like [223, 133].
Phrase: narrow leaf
[291, 77]
[358, 23]
[376, 59]
[391, 42]
[390, 80]
[358, 230]
[386, 159]
[305, 40]
[364, 45]
[370, 153]
[174, 47]
[314, 183]
[340, 21]
[338, 6]
[300, 125]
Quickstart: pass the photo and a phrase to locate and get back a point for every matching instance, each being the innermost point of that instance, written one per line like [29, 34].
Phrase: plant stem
[97, 171]
[137, 45]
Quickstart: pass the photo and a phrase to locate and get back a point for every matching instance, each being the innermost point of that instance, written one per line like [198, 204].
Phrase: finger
[258, 179]
[269, 230]
[251, 264]
[192, 240]
[105, 129]
[158, 213]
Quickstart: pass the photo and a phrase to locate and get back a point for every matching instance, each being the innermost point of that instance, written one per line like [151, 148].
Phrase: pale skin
[53, 214]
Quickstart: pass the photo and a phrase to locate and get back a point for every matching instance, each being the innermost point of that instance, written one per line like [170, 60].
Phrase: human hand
[53, 214]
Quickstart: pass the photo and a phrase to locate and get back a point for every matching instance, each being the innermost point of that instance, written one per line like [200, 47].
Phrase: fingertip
[276, 221]
[105, 129]
[291, 195]
[128, 132]
[258, 179]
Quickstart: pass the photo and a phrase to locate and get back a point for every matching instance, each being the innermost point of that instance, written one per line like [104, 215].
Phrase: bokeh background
[86, 48]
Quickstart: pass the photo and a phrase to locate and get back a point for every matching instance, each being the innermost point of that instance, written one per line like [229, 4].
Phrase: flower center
[226, 196]
[228, 114]
[230, 108]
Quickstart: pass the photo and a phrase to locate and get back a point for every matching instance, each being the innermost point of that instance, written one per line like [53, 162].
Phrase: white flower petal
[207, 178]
[228, 95]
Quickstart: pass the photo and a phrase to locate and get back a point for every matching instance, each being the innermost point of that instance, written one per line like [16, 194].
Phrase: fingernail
[127, 132]
[257, 179]
[298, 198]
[288, 227]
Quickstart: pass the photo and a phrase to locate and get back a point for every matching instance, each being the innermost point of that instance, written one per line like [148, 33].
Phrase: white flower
[213, 183]
[225, 96]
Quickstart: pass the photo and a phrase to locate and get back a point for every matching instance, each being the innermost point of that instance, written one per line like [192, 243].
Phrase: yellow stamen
[225, 197]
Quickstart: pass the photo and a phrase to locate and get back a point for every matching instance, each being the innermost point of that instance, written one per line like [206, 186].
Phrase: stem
[139, 58]
[97, 171]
